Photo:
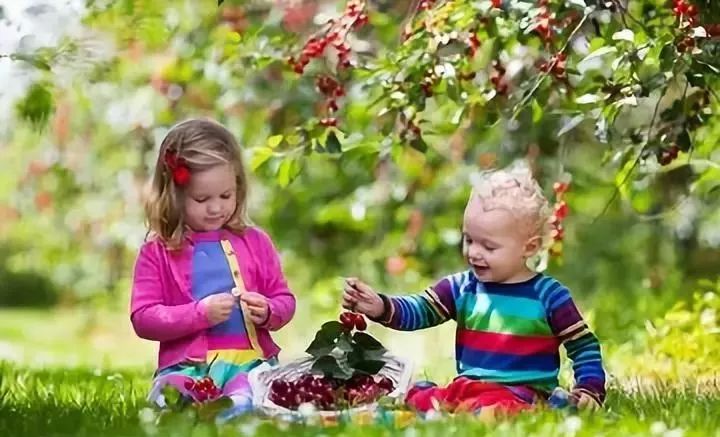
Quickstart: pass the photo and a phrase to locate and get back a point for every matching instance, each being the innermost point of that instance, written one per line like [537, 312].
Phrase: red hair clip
[178, 167]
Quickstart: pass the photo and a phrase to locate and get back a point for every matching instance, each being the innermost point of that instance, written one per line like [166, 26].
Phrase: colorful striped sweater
[507, 333]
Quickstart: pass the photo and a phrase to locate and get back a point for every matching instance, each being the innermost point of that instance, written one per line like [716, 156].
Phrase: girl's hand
[360, 298]
[257, 305]
[219, 307]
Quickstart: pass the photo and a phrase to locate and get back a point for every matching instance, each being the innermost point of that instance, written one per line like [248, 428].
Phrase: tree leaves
[274, 141]
[260, 156]
[624, 35]
[37, 105]
[332, 144]
[570, 124]
[289, 169]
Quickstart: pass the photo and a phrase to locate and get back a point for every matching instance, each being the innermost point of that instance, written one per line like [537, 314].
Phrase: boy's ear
[461, 246]
[532, 246]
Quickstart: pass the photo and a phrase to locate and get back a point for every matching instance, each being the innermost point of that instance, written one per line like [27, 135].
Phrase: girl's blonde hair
[516, 190]
[202, 144]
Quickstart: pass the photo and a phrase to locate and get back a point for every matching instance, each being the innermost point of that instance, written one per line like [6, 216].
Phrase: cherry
[203, 389]
[558, 233]
[328, 121]
[561, 210]
[473, 44]
[560, 187]
[497, 78]
[329, 393]
[667, 156]
[360, 323]
[386, 383]
[326, 84]
[684, 10]
[425, 5]
[543, 26]
[348, 320]
[279, 386]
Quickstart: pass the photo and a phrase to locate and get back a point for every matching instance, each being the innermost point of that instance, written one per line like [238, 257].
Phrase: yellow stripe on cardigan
[237, 356]
[240, 289]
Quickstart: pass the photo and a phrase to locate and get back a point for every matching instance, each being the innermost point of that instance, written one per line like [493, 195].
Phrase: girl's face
[496, 244]
[210, 198]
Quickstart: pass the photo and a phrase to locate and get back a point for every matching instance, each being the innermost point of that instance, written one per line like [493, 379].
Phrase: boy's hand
[584, 401]
[360, 298]
[219, 307]
[257, 305]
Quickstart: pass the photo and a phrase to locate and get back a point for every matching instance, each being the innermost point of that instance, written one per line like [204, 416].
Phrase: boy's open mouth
[480, 269]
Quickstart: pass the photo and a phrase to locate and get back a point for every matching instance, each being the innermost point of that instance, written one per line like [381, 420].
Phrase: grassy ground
[88, 402]
[74, 373]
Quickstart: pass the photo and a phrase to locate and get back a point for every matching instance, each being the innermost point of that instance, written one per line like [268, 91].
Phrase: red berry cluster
[497, 4]
[556, 65]
[332, 90]
[560, 212]
[203, 389]
[353, 321]
[334, 35]
[497, 78]
[329, 393]
[667, 155]
[410, 131]
[544, 22]
[425, 5]
[686, 44]
[428, 81]
[235, 17]
[685, 11]
[473, 44]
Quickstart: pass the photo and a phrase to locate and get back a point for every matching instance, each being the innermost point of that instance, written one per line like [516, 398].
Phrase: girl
[208, 286]
[510, 320]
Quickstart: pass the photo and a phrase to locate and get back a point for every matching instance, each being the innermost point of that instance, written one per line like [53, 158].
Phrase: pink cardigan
[162, 307]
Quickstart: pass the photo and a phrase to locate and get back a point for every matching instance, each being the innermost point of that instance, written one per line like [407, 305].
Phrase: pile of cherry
[329, 393]
[203, 389]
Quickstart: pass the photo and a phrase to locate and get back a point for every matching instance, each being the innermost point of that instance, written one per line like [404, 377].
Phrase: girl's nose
[214, 208]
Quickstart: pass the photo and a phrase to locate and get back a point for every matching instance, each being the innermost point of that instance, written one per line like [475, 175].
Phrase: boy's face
[496, 243]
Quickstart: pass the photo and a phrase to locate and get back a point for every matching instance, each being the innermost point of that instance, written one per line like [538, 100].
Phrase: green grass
[88, 402]
[71, 372]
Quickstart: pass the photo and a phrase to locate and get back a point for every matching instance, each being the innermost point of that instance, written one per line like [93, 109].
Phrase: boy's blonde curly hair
[514, 189]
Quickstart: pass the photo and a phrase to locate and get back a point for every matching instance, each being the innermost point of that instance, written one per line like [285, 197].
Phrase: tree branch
[616, 192]
[545, 74]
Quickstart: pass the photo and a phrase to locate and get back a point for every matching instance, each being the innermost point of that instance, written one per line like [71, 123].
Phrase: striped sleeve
[582, 346]
[432, 307]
